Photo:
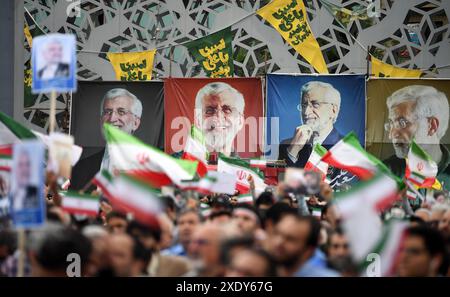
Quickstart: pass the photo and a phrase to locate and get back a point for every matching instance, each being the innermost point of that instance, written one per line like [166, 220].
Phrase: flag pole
[21, 246]
[411, 187]
[52, 111]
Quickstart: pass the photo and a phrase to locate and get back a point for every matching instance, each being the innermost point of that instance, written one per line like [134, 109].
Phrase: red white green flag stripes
[213, 182]
[83, 204]
[387, 249]
[421, 170]
[145, 162]
[349, 155]
[242, 170]
[5, 157]
[195, 150]
[376, 193]
[246, 198]
[131, 195]
[12, 131]
[315, 163]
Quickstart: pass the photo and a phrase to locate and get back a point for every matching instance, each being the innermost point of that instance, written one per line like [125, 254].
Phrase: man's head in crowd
[204, 248]
[219, 114]
[116, 222]
[128, 256]
[444, 224]
[187, 222]
[437, 213]
[246, 218]
[274, 215]
[416, 112]
[148, 236]
[121, 109]
[422, 253]
[320, 104]
[338, 246]
[98, 261]
[166, 231]
[50, 247]
[251, 262]
[295, 240]
[423, 213]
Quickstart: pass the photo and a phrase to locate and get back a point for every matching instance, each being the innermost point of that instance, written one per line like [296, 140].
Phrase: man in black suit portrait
[24, 194]
[54, 67]
[319, 109]
[121, 109]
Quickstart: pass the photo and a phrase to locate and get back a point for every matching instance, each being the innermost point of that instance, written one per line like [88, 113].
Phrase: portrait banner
[402, 110]
[290, 19]
[306, 110]
[229, 113]
[214, 53]
[111, 102]
[133, 66]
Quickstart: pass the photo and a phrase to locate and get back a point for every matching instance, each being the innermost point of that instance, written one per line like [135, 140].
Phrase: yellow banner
[381, 69]
[133, 66]
[26, 31]
[289, 18]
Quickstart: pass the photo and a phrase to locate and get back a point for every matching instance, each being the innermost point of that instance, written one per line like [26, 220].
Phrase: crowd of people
[280, 233]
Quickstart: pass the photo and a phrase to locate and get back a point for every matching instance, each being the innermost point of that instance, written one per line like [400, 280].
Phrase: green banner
[214, 53]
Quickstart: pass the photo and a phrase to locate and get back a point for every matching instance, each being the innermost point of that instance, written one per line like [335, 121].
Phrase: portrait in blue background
[283, 102]
[53, 61]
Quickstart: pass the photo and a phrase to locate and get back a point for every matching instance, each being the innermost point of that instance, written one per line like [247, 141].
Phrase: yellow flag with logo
[289, 18]
[381, 69]
[27, 33]
[133, 66]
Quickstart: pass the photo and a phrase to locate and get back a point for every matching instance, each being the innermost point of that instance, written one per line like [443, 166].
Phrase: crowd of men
[279, 234]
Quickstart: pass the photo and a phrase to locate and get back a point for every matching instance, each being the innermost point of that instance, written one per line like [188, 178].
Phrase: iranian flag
[5, 157]
[387, 247]
[130, 195]
[421, 170]
[213, 182]
[12, 131]
[132, 156]
[246, 198]
[241, 170]
[315, 163]
[195, 150]
[83, 204]
[258, 163]
[349, 155]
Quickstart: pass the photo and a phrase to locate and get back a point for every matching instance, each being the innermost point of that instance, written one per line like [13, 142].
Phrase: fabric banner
[214, 53]
[133, 66]
[229, 113]
[400, 110]
[381, 69]
[290, 19]
[320, 109]
[88, 115]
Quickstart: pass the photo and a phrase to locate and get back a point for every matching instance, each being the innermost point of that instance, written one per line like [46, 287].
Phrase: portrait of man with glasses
[121, 109]
[219, 114]
[319, 109]
[421, 113]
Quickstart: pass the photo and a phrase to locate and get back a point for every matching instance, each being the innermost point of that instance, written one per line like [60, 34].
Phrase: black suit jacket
[85, 170]
[61, 71]
[304, 153]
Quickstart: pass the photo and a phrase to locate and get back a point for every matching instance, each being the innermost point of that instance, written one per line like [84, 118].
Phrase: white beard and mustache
[421, 137]
[219, 136]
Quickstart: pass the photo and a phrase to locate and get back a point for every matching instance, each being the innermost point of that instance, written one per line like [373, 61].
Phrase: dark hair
[314, 228]
[271, 263]
[416, 219]
[54, 243]
[140, 252]
[135, 228]
[438, 193]
[250, 208]
[229, 244]
[434, 243]
[169, 202]
[265, 198]
[190, 210]
[219, 213]
[222, 200]
[116, 214]
[277, 211]
[9, 240]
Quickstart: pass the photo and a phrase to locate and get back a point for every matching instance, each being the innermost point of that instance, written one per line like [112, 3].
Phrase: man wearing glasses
[421, 113]
[219, 114]
[121, 109]
[319, 110]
